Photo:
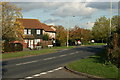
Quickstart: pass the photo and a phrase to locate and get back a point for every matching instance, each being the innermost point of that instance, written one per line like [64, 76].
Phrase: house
[50, 30]
[33, 32]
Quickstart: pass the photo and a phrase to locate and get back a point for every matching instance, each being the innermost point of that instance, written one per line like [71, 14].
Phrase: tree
[101, 29]
[11, 30]
[78, 33]
[61, 34]
[114, 42]
[45, 37]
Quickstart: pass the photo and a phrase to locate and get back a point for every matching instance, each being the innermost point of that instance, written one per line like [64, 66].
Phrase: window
[36, 41]
[25, 31]
[38, 31]
[29, 31]
[26, 41]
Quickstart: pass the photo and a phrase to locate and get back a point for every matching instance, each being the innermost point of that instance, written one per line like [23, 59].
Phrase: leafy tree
[114, 42]
[46, 37]
[11, 30]
[79, 33]
[61, 34]
[101, 29]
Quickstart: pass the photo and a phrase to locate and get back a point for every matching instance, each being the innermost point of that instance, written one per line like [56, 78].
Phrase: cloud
[74, 9]
[102, 5]
[27, 6]
[88, 25]
[64, 9]
[51, 20]
[60, 9]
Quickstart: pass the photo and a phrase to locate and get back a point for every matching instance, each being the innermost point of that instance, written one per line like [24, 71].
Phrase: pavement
[30, 66]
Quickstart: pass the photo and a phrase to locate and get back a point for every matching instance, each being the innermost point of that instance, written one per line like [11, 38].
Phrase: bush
[114, 49]
[114, 56]
[58, 43]
[11, 47]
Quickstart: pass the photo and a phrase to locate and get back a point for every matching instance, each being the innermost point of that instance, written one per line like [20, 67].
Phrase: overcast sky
[68, 14]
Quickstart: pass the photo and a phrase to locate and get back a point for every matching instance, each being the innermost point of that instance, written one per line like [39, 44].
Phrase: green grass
[11, 55]
[26, 53]
[94, 66]
[63, 47]
[94, 44]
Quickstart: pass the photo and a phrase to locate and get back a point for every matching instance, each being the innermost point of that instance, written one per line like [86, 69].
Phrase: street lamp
[68, 33]
[110, 16]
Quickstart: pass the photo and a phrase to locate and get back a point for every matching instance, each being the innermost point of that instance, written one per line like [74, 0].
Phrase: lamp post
[110, 17]
[68, 33]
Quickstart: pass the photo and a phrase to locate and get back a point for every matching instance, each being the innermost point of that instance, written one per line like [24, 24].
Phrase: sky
[68, 14]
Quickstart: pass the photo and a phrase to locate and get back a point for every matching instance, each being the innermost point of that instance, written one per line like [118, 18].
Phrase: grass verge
[95, 66]
[20, 54]
[94, 44]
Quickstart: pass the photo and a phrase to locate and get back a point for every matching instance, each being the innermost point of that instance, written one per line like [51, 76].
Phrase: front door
[30, 44]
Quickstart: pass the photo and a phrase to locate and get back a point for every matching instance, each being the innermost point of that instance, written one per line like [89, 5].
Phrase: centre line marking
[72, 53]
[49, 58]
[26, 63]
[62, 55]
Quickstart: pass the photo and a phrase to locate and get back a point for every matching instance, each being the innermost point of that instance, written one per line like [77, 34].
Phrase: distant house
[50, 30]
[33, 32]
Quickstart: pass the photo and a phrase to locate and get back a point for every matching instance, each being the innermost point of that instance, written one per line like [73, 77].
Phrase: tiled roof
[47, 28]
[34, 24]
[30, 23]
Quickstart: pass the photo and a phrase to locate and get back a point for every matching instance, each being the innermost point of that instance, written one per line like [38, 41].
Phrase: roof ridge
[28, 19]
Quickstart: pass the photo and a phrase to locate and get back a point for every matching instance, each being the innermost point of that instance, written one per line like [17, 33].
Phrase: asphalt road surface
[25, 67]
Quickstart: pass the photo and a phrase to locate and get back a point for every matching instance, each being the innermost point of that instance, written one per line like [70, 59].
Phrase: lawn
[11, 55]
[94, 65]
[94, 44]
[63, 47]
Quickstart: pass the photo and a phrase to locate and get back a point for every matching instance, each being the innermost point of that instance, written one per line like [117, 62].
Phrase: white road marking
[45, 59]
[63, 50]
[62, 55]
[74, 52]
[44, 73]
[28, 77]
[27, 62]
[60, 68]
[21, 79]
[50, 71]
[36, 75]
[71, 53]
[77, 52]
[49, 58]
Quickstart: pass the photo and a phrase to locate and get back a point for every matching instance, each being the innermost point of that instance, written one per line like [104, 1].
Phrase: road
[24, 67]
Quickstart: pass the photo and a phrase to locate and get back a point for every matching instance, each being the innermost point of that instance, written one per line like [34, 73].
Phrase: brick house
[33, 32]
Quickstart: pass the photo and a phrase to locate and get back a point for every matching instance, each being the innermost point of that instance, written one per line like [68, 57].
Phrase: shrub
[58, 43]
[114, 49]
[10, 47]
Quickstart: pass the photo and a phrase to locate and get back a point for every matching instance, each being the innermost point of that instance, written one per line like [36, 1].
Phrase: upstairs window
[38, 31]
[29, 31]
[25, 31]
